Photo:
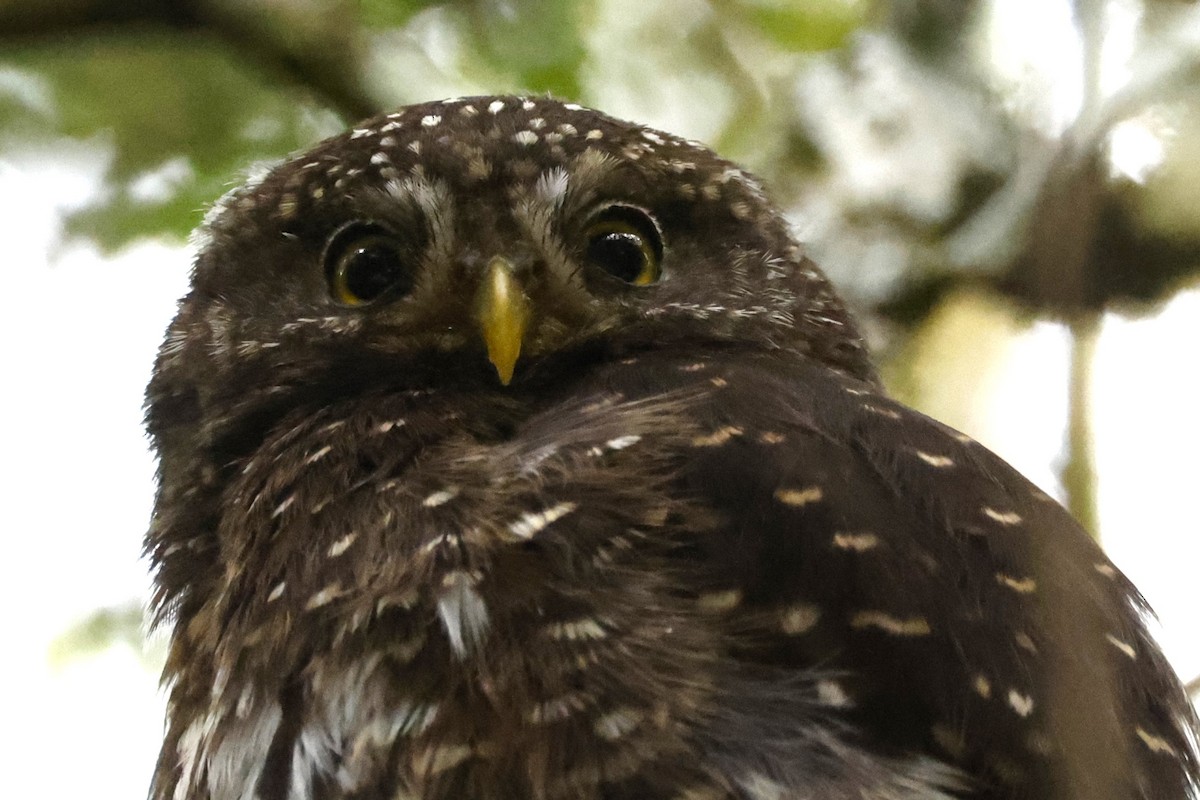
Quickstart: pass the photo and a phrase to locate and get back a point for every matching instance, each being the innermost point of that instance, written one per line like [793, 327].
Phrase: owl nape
[510, 450]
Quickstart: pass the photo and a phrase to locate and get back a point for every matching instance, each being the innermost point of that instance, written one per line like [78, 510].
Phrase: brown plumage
[509, 450]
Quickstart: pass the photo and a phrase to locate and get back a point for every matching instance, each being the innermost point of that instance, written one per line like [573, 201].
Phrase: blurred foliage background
[965, 170]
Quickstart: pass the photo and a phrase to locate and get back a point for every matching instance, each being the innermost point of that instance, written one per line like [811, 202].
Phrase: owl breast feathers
[509, 450]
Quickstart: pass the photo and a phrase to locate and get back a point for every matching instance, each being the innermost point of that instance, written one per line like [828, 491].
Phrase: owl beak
[502, 311]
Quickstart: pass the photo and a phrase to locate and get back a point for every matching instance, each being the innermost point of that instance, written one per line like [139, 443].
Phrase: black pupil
[619, 254]
[373, 268]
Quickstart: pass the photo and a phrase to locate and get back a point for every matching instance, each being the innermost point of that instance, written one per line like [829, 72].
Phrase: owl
[509, 450]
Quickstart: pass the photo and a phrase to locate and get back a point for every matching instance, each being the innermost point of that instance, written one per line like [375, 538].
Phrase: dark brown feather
[692, 551]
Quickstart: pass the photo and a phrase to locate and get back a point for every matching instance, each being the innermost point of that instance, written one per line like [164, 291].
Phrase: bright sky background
[79, 334]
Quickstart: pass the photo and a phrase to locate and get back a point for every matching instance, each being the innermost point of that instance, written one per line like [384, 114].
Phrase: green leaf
[102, 629]
[538, 42]
[391, 13]
[179, 107]
[806, 26]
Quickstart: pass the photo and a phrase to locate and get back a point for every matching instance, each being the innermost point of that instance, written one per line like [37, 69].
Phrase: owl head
[494, 240]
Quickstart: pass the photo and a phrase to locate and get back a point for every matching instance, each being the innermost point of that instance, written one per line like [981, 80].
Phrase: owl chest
[432, 611]
[510, 679]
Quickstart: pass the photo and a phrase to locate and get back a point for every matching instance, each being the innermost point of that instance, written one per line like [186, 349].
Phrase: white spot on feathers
[621, 442]
[912, 626]
[1006, 518]
[718, 602]
[463, 613]
[858, 542]
[534, 522]
[717, 437]
[1156, 743]
[1018, 585]
[440, 497]
[797, 498]
[584, 628]
[341, 545]
[800, 618]
[831, 693]
[934, 460]
[1122, 645]
[617, 723]
[282, 507]
[317, 456]
[324, 596]
[1020, 703]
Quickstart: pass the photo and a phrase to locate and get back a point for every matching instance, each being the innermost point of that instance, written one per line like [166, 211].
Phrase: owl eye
[364, 262]
[624, 242]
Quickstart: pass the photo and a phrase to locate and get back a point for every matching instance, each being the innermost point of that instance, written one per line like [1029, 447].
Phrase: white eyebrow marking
[552, 186]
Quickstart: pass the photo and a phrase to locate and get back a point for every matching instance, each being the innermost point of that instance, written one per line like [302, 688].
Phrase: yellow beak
[502, 311]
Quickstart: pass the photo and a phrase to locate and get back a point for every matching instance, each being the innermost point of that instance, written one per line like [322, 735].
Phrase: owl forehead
[488, 144]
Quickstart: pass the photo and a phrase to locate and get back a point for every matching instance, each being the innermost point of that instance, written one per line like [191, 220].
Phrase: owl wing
[913, 591]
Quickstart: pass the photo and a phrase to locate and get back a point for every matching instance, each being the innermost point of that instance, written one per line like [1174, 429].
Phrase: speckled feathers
[690, 551]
